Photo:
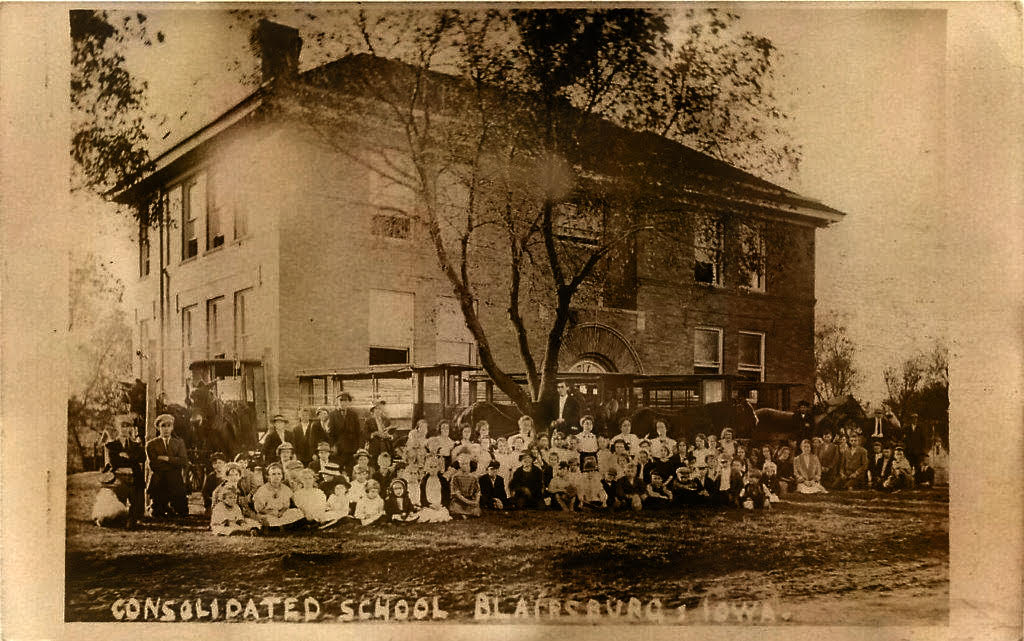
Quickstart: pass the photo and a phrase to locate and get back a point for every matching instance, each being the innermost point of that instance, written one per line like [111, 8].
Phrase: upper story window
[391, 226]
[708, 248]
[455, 343]
[243, 338]
[574, 223]
[188, 336]
[751, 355]
[214, 215]
[144, 250]
[707, 350]
[215, 321]
[752, 257]
[193, 214]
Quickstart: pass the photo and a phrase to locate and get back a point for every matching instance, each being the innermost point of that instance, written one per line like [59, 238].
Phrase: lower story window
[707, 350]
[751, 356]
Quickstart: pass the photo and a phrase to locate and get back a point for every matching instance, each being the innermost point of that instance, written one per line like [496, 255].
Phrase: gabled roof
[688, 172]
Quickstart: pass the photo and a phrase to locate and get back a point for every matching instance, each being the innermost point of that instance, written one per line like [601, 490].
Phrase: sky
[865, 90]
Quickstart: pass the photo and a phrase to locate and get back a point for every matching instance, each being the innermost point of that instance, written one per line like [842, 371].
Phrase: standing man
[804, 420]
[125, 461]
[914, 441]
[875, 427]
[345, 432]
[566, 410]
[305, 436]
[277, 434]
[167, 459]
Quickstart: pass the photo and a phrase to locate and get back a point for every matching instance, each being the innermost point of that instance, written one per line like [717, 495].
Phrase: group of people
[307, 477]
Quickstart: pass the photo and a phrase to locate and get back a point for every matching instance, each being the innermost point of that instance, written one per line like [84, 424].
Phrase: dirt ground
[860, 558]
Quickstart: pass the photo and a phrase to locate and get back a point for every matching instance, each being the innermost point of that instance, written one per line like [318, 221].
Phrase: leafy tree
[110, 139]
[835, 372]
[514, 153]
[512, 135]
[99, 338]
[920, 384]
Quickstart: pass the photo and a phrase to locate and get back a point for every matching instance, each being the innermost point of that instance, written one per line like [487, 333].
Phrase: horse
[224, 426]
[503, 419]
[686, 423]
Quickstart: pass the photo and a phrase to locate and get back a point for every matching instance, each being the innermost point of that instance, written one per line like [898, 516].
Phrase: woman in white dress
[940, 462]
[273, 500]
[807, 469]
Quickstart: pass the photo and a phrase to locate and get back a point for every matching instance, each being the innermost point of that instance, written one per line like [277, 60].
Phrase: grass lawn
[858, 558]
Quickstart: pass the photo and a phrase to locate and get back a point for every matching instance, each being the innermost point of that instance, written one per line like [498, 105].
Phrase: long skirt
[291, 515]
[811, 487]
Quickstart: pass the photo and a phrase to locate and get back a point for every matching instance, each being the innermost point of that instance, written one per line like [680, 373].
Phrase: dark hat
[323, 445]
[344, 396]
[493, 465]
[589, 464]
[324, 410]
[217, 456]
[285, 445]
[524, 454]
[279, 418]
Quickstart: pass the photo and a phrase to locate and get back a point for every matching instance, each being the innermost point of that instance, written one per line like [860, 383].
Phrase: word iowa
[267, 609]
[491, 608]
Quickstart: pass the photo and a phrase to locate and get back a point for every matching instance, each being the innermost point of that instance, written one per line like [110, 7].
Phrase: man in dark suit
[914, 441]
[125, 460]
[168, 459]
[492, 489]
[346, 433]
[306, 435]
[277, 434]
[565, 410]
[881, 468]
[881, 427]
[804, 421]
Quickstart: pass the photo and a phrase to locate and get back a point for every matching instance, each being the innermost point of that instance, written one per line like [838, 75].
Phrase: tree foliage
[835, 371]
[109, 141]
[920, 384]
[99, 339]
[500, 130]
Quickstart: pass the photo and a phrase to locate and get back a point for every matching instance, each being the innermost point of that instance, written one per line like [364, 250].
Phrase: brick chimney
[278, 46]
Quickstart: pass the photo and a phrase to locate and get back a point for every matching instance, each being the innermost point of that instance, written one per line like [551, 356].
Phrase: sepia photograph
[509, 314]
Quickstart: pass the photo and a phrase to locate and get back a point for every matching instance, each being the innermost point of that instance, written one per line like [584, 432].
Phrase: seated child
[233, 477]
[901, 475]
[685, 483]
[657, 495]
[309, 498]
[226, 516]
[435, 493]
[412, 474]
[386, 469]
[770, 480]
[398, 506]
[753, 495]
[370, 507]
[561, 488]
[925, 472]
[327, 471]
[736, 476]
[591, 490]
[338, 502]
[213, 479]
[492, 488]
[610, 484]
[628, 490]
[465, 489]
[357, 488]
